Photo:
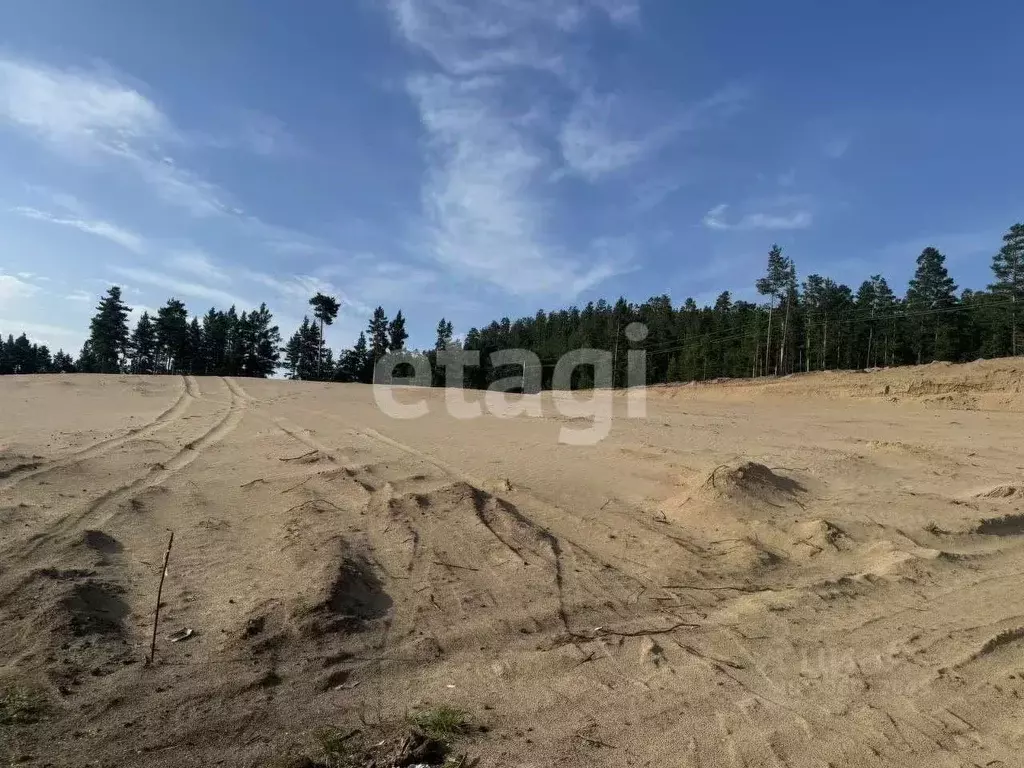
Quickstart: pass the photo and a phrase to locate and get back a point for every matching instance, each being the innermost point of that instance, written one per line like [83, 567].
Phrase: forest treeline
[800, 325]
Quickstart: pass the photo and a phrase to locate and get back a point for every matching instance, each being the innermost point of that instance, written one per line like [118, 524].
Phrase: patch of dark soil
[102, 542]
[95, 608]
[1005, 525]
[353, 598]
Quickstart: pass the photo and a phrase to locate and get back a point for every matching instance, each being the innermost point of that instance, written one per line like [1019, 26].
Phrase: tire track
[189, 392]
[158, 474]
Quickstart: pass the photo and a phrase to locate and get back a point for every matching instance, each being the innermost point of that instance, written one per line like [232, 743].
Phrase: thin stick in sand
[159, 592]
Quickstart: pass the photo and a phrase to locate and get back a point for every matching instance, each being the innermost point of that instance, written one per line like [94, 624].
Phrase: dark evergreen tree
[1008, 266]
[303, 350]
[108, 334]
[355, 365]
[930, 296]
[62, 362]
[397, 334]
[778, 284]
[378, 333]
[325, 309]
[262, 344]
[194, 347]
[143, 345]
[171, 327]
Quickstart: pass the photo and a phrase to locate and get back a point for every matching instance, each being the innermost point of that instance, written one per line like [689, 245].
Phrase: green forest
[800, 325]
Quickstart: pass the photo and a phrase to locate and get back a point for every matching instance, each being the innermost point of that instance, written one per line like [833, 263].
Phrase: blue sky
[473, 159]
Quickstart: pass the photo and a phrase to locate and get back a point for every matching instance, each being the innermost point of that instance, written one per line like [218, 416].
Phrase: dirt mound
[812, 537]
[351, 597]
[749, 484]
[1001, 492]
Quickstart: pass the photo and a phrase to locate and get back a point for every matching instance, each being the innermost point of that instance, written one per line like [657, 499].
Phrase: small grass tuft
[336, 746]
[21, 706]
[442, 723]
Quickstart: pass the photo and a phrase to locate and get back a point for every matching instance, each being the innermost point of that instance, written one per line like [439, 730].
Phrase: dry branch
[159, 592]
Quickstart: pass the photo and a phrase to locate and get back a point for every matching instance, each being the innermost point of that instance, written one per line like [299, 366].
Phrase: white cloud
[76, 112]
[836, 147]
[54, 336]
[80, 295]
[485, 219]
[197, 263]
[299, 287]
[795, 219]
[588, 141]
[601, 135]
[12, 288]
[182, 288]
[115, 234]
[91, 117]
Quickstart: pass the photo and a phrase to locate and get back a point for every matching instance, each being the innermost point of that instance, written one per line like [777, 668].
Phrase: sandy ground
[818, 571]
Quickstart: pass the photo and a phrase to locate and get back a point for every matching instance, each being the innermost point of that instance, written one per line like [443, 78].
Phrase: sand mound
[351, 597]
[748, 484]
[1001, 492]
[812, 537]
[1002, 639]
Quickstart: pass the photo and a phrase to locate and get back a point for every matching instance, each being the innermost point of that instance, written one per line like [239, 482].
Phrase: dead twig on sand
[452, 565]
[595, 742]
[252, 482]
[317, 500]
[159, 592]
[602, 632]
[303, 456]
[730, 588]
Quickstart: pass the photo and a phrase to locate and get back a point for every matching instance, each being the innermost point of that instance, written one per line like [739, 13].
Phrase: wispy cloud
[97, 227]
[717, 219]
[91, 117]
[54, 336]
[836, 147]
[485, 217]
[296, 287]
[80, 295]
[182, 288]
[480, 37]
[197, 263]
[601, 134]
[12, 287]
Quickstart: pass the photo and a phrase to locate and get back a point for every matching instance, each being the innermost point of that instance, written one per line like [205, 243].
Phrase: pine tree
[215, 342]
[87, 361]
[397, 334]
[171, 327]
[108, 334]
[354, 363]
[195, 346]
[931, 292]
[143, 345]
[303, 350]
[378, 333]
[445, 332]
[62, 362]
[263, 344]
[773, 285]
[325, 309]
[1008, 266]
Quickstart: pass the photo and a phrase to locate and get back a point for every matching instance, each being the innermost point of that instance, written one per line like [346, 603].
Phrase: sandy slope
[810, 572]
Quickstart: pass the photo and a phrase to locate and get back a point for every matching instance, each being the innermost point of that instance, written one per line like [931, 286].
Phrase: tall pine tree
[108, 334]
[1008, 267]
